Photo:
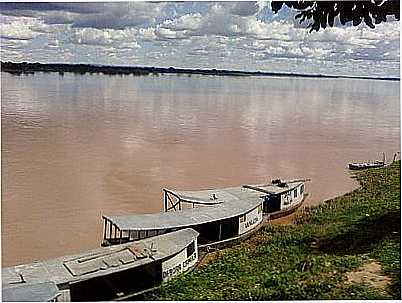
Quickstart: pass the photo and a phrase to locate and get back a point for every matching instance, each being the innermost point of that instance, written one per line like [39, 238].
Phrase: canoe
[368, 164]
[365, 165]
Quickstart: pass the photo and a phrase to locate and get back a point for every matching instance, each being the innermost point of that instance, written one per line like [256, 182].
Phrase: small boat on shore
[219, 215]
[365, 165]
[370, 164]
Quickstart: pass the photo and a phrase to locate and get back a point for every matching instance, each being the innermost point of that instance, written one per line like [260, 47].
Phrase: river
[75, 147]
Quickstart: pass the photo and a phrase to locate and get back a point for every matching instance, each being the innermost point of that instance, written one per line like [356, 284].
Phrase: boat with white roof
[107, 273]
[219, 215]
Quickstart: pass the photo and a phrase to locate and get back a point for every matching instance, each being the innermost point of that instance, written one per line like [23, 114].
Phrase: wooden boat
[219, 215]
[366, 165]
[370, 164]
[107, 273]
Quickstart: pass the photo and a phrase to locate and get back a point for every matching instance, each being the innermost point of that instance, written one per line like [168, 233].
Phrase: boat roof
[233, 202]
[229, 194]
[29, 292]
[101, 261]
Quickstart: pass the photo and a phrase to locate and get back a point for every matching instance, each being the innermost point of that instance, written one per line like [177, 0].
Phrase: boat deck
[101, 261]
[29, 292]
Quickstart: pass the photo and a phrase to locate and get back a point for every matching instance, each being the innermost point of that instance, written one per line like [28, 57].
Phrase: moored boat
[107, 273]
[365, 165]
[370, 164]
[219, 215]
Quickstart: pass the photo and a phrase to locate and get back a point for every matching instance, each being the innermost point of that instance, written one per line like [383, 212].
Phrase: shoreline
[82, 69]
[344, 248]
[310, 202]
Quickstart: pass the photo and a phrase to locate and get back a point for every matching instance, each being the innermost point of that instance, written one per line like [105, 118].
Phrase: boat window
[190, 249]
[242, 218]
[287, 198]
[302, 189]
[295, 193]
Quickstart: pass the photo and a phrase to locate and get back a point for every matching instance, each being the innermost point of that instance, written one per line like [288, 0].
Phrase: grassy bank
[345, 248]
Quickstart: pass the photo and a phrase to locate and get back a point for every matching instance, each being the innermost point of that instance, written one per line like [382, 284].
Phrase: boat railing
[174, 201]
[113, 235]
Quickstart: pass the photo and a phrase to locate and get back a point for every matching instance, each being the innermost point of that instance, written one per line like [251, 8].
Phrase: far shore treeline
[30, 68]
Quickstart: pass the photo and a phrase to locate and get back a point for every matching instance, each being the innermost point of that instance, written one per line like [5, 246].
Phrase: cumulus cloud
[238, 35]
[219, 21]
[18, 28]
[187, 22]
[109, 37]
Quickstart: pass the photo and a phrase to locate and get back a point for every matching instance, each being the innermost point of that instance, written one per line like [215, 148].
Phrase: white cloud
[211, 34]
[106, 37]
[166, 33]
[189, 22]
[18, 28]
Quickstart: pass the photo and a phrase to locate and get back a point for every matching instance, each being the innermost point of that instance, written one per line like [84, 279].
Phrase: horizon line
[211, 71]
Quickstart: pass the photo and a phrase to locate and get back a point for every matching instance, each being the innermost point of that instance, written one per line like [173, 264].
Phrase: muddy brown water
[75, 147]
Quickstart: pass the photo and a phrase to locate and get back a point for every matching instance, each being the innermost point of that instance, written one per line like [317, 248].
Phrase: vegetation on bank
[314, 258]
[82, 69]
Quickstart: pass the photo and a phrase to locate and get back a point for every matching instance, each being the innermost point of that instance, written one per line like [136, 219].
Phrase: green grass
[310, 258]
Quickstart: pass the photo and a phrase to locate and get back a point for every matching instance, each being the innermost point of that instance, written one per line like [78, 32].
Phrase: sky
[223, 35]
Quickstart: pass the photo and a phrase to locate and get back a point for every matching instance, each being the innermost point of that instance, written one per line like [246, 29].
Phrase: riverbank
[31, 68]
[344, 248]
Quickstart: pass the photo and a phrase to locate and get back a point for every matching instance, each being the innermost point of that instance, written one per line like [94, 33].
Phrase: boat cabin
[217, 214]
[283, 198]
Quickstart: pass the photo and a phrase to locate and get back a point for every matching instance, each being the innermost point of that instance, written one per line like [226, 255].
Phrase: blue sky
[230, 35]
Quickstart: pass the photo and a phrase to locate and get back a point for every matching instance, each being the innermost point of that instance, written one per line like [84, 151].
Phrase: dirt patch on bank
[370, 273]
[207, 257]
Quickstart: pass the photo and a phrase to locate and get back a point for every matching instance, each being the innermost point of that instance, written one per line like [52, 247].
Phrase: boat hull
[284, 212]
[361, 166]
